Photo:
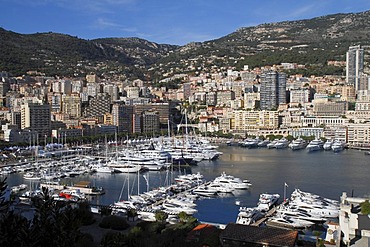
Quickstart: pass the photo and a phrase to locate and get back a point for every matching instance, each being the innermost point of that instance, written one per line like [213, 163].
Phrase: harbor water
[325, 173]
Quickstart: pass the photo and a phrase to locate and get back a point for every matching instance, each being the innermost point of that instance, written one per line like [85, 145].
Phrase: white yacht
[327, 145]
[289, 222]
[263, 143]
[299, 214]
[272, 144]
[221, 188]
[205, 191]
[248, 216]
[232, 182]
[176, 208]
[266, 201]
[337, 146]
[124, 167]
[103, 169]
[251, 143]
[282, 143]
[315, 145]
[298, 144]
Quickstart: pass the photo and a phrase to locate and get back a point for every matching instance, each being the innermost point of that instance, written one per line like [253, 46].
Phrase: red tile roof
[259, 235]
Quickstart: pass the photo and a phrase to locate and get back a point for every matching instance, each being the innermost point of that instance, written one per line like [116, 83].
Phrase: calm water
[325, 173]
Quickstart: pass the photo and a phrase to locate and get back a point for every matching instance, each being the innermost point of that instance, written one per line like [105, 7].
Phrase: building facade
[354, 65]
[37, 118]
[273, 90]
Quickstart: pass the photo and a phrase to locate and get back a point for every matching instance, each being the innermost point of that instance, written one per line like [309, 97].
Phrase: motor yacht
[282, 143]
[315, 145]
[248, 216]
[288, 222]
[327, 145]
[232, 182]
[298, 144]
[337, 146]
[205, 191]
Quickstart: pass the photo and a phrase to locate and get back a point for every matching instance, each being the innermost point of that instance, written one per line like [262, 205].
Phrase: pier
[269, 213]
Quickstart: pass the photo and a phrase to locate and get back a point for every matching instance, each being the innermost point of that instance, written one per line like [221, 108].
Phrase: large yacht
[232, 182]
[248, 216]
[298, 144]
[282, 143]
[315, 145]
[337, 146]
[288, 222]
[266, 201]
[327, 145]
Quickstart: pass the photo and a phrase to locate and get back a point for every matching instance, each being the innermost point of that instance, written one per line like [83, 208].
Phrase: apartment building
[36, 118]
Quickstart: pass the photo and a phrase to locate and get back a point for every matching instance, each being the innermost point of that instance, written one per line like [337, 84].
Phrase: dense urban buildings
[248, 102]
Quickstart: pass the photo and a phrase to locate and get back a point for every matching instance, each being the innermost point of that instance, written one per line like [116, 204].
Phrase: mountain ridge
[311, 41]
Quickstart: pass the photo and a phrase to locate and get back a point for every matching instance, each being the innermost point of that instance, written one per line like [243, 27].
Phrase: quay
[83, 186]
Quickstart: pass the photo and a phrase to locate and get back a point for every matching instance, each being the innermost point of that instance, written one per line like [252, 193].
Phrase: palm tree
[161, 216]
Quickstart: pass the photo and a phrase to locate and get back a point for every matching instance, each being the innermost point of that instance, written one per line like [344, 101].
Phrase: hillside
[313, 41]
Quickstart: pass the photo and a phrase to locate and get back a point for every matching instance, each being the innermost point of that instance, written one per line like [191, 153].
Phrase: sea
[324, 173]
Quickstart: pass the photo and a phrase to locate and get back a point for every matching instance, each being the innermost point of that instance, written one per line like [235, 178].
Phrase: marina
[324, 173]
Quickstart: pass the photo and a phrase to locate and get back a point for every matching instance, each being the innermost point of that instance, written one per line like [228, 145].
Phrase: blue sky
[162, 21]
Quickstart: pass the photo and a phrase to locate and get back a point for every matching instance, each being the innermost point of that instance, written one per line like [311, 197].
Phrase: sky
[175, 22]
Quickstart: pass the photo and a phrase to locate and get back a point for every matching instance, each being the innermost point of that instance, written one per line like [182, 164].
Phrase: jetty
[83, 186]
[269, 213]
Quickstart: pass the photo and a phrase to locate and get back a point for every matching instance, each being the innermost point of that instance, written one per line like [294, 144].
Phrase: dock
[269, 213]
[83, 186]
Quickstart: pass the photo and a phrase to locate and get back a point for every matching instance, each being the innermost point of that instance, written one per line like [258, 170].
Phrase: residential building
[299, 96]
[187, 90]
[163, 110]
[354, 65]
[273, 90]
[250, 100]
[330, 108]
[225, 97]
[98, 106]
[93, 89]
[133, 92]
[211, 98]
[36, 118]
[72, 106]
[92, 78]
[149, 122]
[123, 117]
[111, 90]
[353, 224]
[246, 121]
[55, 101]
[66, 87]
[358, 135]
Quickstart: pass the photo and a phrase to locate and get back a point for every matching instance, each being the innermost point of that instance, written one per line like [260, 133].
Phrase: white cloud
[94, 6]
[102, 24]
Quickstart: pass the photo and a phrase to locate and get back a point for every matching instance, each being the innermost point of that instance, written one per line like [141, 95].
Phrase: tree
[365, 207]
[161, 216]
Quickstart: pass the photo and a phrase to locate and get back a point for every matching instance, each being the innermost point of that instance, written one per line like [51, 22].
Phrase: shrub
[114, 222]
[365, 207]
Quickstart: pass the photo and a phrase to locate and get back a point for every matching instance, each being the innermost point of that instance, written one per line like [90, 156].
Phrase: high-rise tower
[273, 90]
[354, 66]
